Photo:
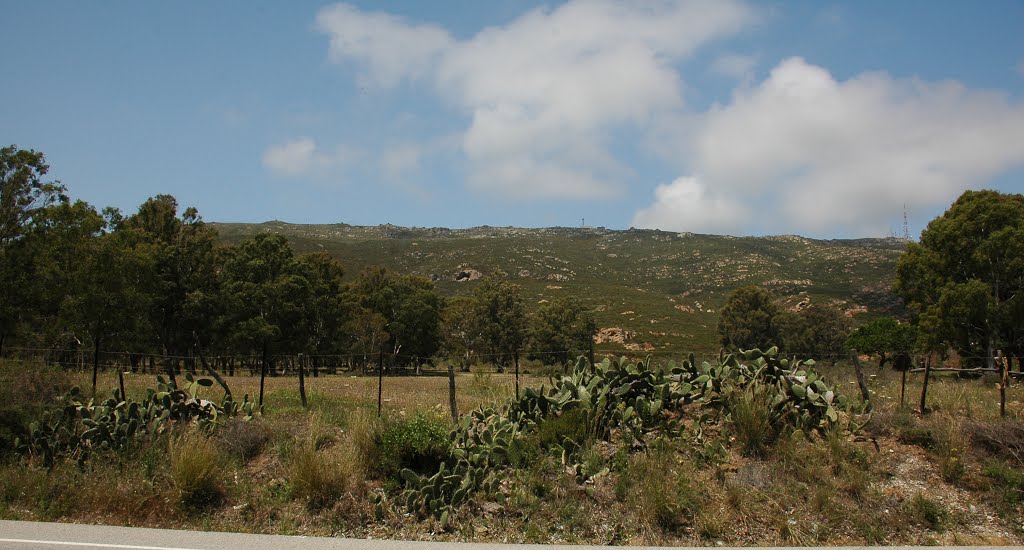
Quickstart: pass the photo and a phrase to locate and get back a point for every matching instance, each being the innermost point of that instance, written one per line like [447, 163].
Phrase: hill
[661, 289]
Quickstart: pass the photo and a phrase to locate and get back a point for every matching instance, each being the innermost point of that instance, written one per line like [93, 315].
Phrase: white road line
[94, 544]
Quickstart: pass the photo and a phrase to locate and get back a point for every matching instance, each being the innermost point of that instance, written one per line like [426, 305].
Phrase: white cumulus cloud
[301, 157]
[815, 155]
[545, 91]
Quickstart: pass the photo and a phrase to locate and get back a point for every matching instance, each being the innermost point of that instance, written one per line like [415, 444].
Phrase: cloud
[734, 65]
[815, 155]
[545, 92]
[400, 161]
[685, 203]
[301, 157]
[389, 48]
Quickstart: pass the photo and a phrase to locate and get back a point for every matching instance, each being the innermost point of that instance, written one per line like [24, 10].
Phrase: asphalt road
[41, 536]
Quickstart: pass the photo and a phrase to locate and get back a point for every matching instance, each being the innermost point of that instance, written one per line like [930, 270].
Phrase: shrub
[244, 440]
[566, 430]
[196, 471]
[25, 391]
[420, 444]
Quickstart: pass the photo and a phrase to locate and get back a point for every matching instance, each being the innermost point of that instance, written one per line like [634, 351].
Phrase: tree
[461, 332]
[24, 198]
[325, 311]
[183, 280]
[967, 274]
[23, 193]
[884, 337]
[747, 320]
[817, 331]
[501, 312]
[410, 308]
[560, 330]
[266, 292]
[107, 296]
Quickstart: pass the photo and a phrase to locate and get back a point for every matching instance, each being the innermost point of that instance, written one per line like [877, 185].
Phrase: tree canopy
[964, 279]
[747, 320]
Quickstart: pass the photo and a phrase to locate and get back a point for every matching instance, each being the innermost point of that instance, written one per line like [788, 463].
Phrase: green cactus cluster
[80, 427]
[615, 396]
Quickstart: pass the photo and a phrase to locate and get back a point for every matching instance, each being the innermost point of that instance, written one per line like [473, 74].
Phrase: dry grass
[951, 476]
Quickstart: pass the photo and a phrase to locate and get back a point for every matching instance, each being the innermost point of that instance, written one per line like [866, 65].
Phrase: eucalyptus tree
[965, 277]
[266, 289]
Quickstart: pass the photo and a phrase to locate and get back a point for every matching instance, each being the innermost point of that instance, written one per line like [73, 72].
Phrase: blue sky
[816, 118]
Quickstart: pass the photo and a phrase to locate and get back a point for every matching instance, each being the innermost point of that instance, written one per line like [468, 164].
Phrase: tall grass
[197, 471]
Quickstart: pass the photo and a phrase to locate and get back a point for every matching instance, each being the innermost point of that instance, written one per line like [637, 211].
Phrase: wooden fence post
[860, 378]
[924, 387]
[302, 382]
[380, 381]
[120, 382]
[451, 392]
[1004, 380]
[516, 356]
[903, 386]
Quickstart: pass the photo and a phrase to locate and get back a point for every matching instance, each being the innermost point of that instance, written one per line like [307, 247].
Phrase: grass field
[950, 477]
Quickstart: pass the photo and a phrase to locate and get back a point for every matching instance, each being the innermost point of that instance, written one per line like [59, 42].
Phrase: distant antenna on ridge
[906, 226]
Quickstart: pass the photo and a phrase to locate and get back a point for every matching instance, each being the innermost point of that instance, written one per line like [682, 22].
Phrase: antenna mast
[906, 226]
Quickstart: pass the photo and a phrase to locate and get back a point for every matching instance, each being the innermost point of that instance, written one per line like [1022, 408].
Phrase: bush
[196, 471]
[420, 444]
[568, 430]
[244, 440]
[26, 390]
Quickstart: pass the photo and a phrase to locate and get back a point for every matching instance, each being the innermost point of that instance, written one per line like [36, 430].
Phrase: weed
[754, 422]
[314, 477]
[927, 511]
[658, 488]
[1009, 483]
[420, 444]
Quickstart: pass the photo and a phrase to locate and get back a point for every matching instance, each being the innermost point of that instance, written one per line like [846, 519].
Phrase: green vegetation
[748, 447]
[964, 282]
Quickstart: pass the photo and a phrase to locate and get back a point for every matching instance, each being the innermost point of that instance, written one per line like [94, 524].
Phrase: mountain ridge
[661, 289]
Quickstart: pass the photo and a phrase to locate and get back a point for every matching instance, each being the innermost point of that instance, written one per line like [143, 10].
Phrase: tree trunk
[210, 370]
[263, 374]
[3, 337]
[95, 364]
[316, 367]
[170, 366]
[881, 360]
[302, 382]
[451, 392]
[860, 379]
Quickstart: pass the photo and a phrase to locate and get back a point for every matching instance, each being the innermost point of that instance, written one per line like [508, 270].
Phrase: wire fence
[285, 364]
